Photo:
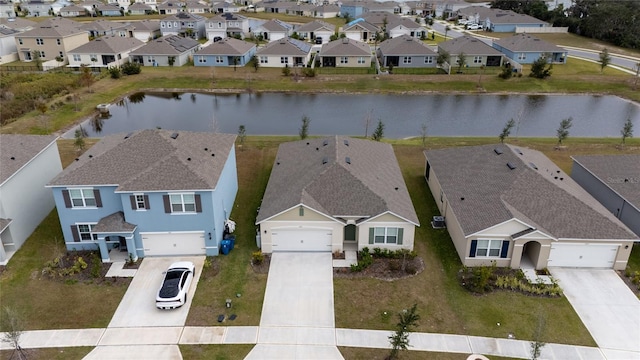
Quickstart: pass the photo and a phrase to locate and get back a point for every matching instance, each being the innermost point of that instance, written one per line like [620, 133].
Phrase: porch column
[131, 247]
[104, 251]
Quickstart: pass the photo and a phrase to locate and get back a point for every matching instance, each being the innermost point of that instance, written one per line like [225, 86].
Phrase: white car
[175, 285]
[474, 27]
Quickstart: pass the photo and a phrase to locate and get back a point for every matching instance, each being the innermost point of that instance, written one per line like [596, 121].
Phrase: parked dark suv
[318, 40]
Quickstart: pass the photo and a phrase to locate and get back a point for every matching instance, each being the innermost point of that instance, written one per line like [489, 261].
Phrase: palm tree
[446, 30]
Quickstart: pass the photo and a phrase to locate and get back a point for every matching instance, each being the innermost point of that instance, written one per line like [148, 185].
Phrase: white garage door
[301, 240]
[583, 255]
[173, 243]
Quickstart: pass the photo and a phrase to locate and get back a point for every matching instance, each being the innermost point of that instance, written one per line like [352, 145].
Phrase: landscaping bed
[79, 266]
[483, 279]
[391, 266]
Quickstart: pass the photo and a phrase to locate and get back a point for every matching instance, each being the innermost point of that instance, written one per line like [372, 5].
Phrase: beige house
[51, 38]
[330, 193]
[514, 207]
[345, 52]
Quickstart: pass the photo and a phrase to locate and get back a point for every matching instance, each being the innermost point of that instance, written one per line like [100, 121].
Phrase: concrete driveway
[606, 306]
[299, 291]
[138, 306]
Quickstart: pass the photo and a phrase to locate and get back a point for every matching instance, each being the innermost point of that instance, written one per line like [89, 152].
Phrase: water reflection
[137, 98]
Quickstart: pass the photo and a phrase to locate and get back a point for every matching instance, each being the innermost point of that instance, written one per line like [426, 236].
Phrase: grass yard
[215, 352]
[634, 259]
[351, 353]
[66, 353]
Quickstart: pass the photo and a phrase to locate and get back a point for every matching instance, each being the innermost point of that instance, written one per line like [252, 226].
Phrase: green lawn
[350, 353]
[215, 352]
[66, 353]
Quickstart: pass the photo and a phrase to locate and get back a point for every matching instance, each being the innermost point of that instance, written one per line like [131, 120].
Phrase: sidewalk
[162, 342]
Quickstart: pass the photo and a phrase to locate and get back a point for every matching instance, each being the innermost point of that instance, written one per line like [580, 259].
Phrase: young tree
[423, 134]
[563, 130]
[79, 136]
[537, 344]
[86, 77]
[304, 129]
[605, 59]
[506, 130]
[627, 130]
[400, 339]
[13, 328]
[443, 57]
[541, 68]
[446, 30]
[255, 63]
[378, 133]
[37, 59]
[461, 61]
[242, 133]
[42, 107]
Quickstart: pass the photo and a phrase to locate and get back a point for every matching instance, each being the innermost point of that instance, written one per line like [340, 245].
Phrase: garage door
[301, 240]
[583, 255]
[173, 243]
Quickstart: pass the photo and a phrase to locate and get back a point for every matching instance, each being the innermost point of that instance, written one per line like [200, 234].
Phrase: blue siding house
[150, 193]
[526, 49]
[226, 52]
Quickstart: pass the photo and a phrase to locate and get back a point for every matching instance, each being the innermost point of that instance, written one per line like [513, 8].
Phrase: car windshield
[170, 285]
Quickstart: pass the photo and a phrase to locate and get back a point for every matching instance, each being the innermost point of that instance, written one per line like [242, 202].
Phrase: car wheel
[185, 298]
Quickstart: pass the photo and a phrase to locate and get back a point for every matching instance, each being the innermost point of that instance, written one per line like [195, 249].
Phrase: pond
[348, 114]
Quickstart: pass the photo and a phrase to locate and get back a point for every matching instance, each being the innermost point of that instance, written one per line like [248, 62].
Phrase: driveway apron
[606, 306]
[138, 305]
[297, 314]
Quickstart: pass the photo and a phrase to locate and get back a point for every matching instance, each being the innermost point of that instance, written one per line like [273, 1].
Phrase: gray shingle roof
[17, 23]
[286, 46]
[345, 47]
[167, 45]
[108, 45]
[370, 185]
[54, 27]
[619, 172]
[73, 7]
[404, 45]
[17, 150]
[7, 31]
[105, 25]
[483, 191]
[183, 16]
[275, 25]
[527, 43]
[315, 26]
[468, 45]
[150, 160]
[227, 46]
[139, 6]
[146, 25]
[362, 25]
[113, 223]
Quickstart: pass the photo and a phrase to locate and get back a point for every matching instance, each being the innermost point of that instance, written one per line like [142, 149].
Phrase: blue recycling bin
[225, 246]
[232, 240]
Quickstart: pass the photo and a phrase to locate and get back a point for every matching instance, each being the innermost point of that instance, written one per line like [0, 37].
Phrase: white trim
[394, 214]
[158, 191]
[502, 223]
[305, 206]
[173, 232]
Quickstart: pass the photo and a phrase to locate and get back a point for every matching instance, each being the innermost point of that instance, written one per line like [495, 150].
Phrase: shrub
[115, 72]
[130, 68]
[96, 265]
[286, 71]
[207, 262]
[506, 73]
[309, 72]
[257, 257]
[394, 265]
[364, 260]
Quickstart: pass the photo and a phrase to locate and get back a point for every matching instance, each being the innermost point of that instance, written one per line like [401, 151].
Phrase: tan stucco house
[514, 207]
[329, 193]
[51, 38]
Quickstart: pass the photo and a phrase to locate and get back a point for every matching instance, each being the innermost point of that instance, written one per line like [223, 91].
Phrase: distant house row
[172, 41]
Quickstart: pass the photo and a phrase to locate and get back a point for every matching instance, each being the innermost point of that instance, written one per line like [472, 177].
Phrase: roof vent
[347, 160]
[77, 159]
[511, 166]
[90, 156]
[212, 154]
[533, 166]
[325, 142]
[325, 160]
[13, 158]
[174, 135]
[128, 135]
[206, 149]
[278, 163]
[518, 151]
[396, 188]
[189, 159]
[498, 151]
[346, 142]
[307, 143]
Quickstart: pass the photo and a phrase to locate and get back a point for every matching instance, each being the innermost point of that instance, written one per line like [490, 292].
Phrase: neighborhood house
[150, 193]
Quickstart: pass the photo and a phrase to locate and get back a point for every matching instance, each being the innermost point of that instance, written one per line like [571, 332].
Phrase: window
[82, 198]
[182, 203]
[477, 59]
[169, 25]
[202, 59]
[489, 248]
[361, 60]
[428, 59]
[20, 41]
[219, 25]
[284, 60]
[61, 54]
[150, 59]
[85, 232]
[140, 202]
[162, 25]
[39, 41]
[385, 235]
[175, 24]
[522, 56]
[263, 60]
[42, 54]
[406, 59]
[219, 60]
[58, 42]
[344, 60]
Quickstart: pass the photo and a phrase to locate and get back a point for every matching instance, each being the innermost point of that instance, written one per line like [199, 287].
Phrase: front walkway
[606, 306]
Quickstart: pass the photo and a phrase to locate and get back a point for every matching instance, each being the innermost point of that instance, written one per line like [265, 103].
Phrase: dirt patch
[627, 280]
[79, 266]
[384, 269]
[211, 267]
[263, 266]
